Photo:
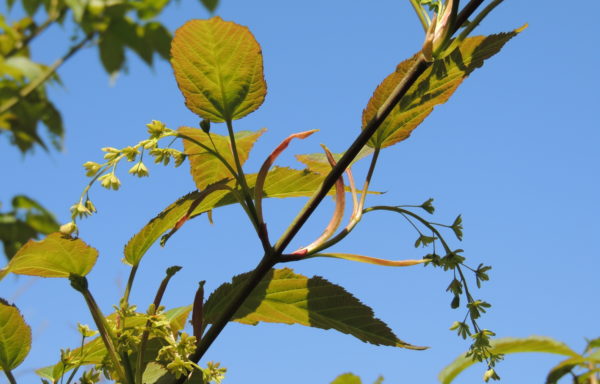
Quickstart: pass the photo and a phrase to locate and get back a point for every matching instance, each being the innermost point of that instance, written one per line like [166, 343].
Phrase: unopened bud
[68, 228]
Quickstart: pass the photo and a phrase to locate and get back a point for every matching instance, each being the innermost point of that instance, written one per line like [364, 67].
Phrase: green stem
[9, 375]
[144, 339]
[265, 265]
[423, 17]
[129, 285]
[80, 284]
[37, 82]
[72, 376]
[437, 234]
[242, 178]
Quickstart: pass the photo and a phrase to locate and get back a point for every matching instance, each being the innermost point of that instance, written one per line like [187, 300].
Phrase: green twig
[129, 285]
[144, 339]
[80, 284]
[9, 375]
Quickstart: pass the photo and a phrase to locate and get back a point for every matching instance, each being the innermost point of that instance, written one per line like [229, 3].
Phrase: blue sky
[515, 151]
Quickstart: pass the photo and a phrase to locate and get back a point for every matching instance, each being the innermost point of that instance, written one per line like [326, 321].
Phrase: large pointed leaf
[15, 337]
[289, 298]
[206, 168]
[55, 256]
[434, 87]
[505, 346]
[219, 69]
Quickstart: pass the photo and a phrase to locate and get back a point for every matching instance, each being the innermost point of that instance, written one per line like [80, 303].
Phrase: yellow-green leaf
[434, 87]
[15, 337]
[347, 378]
[281, 182]
[55, 256]
[289, 298]
[205, 167]
[219, 69]
[506, 346]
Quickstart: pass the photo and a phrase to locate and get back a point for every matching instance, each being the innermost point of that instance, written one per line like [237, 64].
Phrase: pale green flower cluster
[106, 173]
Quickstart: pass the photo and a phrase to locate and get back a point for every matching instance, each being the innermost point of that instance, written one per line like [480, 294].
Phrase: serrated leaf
[289, 298]
[347, 378]
[55, 256]
[507, 346]
[206, 168]
[218, 67]
[434, 87]
[15, 337]
[317, 162]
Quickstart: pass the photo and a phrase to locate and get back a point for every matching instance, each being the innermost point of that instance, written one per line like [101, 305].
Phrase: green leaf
[131, 35]
[149, 9]
[158, 37]
[205, 167]
[218, 67]
[506, 346]
[31, 6]
[78, 8]
[289, 298]
[434, 87]
[15, 337]
[281, 183]
[210, 5]
[112, 52]
[347, 378]
[55, 256]
[178, 316]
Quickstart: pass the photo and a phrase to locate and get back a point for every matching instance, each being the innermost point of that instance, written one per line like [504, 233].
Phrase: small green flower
[156, 128]
[85, 330]
[110, 181]
[139, 169]
[79, 210]
[91, 168]
[111, 153]
[490, 374]
[131, 153]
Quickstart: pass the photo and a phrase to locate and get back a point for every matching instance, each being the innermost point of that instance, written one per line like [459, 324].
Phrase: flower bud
[68, 228]
[139, 170]
[110, 181]
[91, 168]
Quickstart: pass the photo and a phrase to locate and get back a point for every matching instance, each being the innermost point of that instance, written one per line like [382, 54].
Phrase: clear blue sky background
[515, 151]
